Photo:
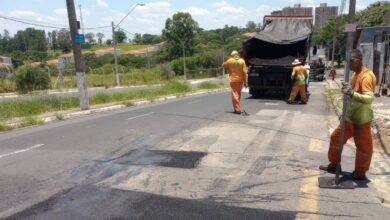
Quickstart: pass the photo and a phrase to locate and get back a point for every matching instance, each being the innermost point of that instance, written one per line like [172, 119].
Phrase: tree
[30, 39]
[137, 38]
[333, 28]
[100, 37]
[180, 31]
[64, 41]
[374, 14]
[90, 37]
[251, 26]
[120, 36]
[52, 40]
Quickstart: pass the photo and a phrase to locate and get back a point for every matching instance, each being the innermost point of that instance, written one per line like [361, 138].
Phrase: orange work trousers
[363, 141]
[301, 89]
[236, 88]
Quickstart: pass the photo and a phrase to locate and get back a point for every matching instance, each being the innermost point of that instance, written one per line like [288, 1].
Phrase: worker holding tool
[299, 75]
[359, 116]
[237, 76]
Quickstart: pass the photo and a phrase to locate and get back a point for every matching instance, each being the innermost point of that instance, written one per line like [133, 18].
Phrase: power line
[44, 24]
[126, 31]
[30, 23]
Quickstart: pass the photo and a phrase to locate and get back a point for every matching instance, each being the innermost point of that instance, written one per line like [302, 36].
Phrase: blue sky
[151, 17]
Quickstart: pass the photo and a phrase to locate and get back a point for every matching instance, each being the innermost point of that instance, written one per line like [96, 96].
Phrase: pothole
[176, 159]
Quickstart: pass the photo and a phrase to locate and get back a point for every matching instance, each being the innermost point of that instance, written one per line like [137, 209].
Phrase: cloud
[101, 4]
[219, 4]
[196, 11]
[21, 13]
[61, 11]
[226, 8]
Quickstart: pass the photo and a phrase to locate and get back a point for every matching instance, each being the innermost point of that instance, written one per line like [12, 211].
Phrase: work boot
[359, 177]
[328, 168]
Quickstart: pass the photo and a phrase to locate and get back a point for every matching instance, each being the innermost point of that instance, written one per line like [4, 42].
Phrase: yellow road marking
[308, 195]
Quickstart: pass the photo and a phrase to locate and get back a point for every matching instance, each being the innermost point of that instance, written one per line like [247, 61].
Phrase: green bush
[30, 78]
[133, 61]
[93, 61]
[19, 57]
[199, 61]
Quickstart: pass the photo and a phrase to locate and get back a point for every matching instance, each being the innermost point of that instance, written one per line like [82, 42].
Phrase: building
[323, 13]
[296, 11]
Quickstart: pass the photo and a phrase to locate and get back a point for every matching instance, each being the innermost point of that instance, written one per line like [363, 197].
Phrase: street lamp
[115, 43]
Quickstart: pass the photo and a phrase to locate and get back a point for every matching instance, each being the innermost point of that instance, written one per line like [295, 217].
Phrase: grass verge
[334, 98]
[4, 127]
[30, 121]
[45, 104]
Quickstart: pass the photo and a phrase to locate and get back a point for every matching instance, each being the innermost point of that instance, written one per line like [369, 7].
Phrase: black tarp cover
[282, 41]
[286, 31]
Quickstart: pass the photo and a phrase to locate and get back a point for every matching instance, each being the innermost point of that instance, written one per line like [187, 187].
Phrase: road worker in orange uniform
[359, 116]
[237, 76]
[299, 75]
[332, 73]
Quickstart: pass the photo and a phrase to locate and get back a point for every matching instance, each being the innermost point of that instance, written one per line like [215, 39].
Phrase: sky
[151, 17]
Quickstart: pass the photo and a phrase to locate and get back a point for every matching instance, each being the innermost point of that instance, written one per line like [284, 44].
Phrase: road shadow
[269, 96]
[91, 202]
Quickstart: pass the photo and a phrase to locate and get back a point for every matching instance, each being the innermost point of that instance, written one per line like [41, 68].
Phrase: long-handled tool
[243, 112]
[337, 182]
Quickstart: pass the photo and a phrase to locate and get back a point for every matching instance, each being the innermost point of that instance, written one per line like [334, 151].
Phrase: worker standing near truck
[359, 117]
[299, 76]
[237, 76]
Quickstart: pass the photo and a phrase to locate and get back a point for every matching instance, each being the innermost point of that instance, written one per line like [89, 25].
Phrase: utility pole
[81, 20]
[78, 58]
[351, 29]
[184, 60]
[118, 83]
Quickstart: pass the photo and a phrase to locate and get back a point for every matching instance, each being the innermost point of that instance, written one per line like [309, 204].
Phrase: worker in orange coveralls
[237, 76]
[299, 75]
[359, 117]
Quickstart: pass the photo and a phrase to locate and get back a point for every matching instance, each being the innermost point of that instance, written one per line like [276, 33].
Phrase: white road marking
[140, 116]
[193, 102]
[22, 151]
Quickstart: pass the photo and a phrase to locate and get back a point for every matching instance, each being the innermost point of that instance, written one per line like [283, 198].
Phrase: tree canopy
[120, 36]
[180, 30]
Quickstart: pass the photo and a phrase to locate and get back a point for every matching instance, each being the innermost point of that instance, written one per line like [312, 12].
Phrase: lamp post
[115, 43]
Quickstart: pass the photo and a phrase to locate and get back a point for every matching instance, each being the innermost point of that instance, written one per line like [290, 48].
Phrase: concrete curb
[109, 108]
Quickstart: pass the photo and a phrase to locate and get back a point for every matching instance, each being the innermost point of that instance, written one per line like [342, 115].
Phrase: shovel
[243, 112]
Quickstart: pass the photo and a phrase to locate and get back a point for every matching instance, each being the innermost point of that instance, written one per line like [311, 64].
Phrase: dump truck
[270, 52]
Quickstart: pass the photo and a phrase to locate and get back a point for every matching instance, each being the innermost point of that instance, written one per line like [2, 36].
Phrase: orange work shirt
[364, 81]
[236, 68]
[299, 75]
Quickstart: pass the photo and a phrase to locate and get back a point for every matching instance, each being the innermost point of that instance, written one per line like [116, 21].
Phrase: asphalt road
[183, 159]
